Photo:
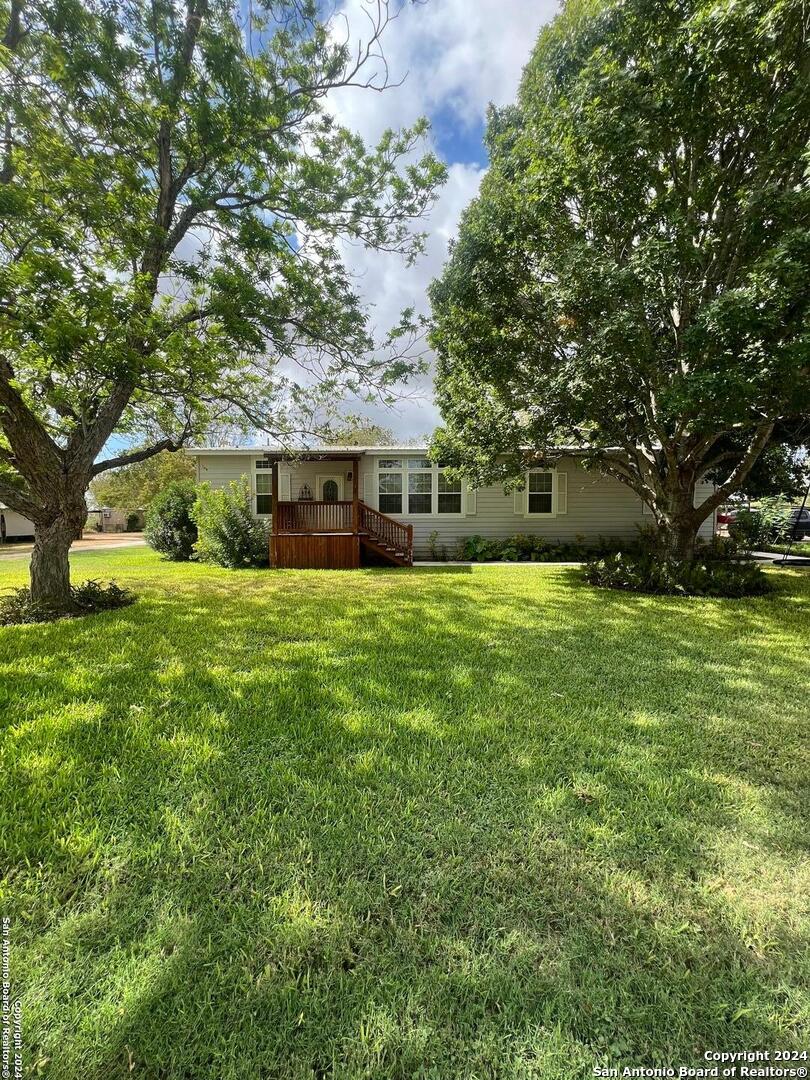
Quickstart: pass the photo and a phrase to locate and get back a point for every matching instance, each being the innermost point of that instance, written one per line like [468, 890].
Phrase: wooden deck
[335, 535]
[316, 551]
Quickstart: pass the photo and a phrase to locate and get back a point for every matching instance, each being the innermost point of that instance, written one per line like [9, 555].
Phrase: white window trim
[404, 471]
[255, 492]
[552, 513]
[319, 481]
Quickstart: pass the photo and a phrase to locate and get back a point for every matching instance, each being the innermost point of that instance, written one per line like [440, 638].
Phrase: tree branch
[738, 474]
[17, 501]
[170, 445]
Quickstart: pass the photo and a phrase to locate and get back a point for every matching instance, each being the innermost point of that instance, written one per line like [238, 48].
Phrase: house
[14, 526]
[110, 519]
[343, 506]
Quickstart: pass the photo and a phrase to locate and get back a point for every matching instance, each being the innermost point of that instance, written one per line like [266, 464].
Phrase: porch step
[374, 544]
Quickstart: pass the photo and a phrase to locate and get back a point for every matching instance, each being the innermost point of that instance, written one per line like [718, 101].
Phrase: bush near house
[228, 533]
[169, 527]
[526, 548]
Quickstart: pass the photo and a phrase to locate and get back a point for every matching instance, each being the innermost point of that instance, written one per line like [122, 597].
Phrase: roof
[315, 453]
[278, 453]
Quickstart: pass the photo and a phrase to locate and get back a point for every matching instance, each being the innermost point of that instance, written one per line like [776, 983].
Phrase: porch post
[355, 495]
[274, 512]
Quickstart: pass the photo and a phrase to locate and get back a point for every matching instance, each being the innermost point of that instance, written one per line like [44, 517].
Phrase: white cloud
[458, 55]
[388, 286]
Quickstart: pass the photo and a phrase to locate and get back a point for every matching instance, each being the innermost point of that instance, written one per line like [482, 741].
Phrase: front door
[330, 488]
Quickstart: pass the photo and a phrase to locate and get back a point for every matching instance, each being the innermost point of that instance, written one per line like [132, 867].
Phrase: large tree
[174, 197]
[633, 277]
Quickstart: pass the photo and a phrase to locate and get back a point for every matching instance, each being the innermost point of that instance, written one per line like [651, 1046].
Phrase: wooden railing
[387, 530]
[312, 516]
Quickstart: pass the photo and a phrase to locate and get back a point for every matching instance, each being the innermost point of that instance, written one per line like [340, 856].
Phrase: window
[420, 490]
[330, 491]
[540, 494]
[264, 490]
[390, 491]
[416, 486]
[449, 501]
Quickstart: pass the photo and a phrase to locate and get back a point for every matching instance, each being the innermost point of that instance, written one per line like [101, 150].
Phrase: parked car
[726, 514]
[798, 523]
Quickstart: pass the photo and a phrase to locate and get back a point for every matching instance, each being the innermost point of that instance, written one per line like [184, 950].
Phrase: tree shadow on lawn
[338, 831]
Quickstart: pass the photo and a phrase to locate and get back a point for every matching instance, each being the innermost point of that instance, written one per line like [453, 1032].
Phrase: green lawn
[442, 823]
[798, 547]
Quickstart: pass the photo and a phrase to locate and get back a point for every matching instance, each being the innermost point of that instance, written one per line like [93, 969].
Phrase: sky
[455, 56]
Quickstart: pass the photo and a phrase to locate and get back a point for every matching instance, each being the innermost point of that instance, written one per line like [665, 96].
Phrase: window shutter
[368, 489]
[562, 492]
[520, 502]
[284, 485]
[470, 501]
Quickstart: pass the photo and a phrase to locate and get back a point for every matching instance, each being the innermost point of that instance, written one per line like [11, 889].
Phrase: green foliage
[137, 485]
[633, 275]
[170, 527]
[361, 433]
[528, 548]
[133, 521]
[767, 523]
[92, 596]
[781, 470]
[145, 148]
[650, 573]
[229, 534]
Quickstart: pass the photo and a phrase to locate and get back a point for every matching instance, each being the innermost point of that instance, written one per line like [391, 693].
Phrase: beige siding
[219, 469]
[596, 505]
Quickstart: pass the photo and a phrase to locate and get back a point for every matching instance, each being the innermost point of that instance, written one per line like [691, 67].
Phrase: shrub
[768, 523]
[648, 573]
[91, 596]
[133, 521]
[228, 533]
[170, 528]
[523, 547]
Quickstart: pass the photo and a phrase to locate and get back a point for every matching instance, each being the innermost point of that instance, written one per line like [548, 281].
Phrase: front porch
[333, 533]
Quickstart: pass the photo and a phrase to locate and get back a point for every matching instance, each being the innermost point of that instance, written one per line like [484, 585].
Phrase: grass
[798, 547]
[440, 823]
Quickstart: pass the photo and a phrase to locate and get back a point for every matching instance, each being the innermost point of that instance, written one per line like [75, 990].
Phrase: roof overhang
[325, 453]
[332, 453]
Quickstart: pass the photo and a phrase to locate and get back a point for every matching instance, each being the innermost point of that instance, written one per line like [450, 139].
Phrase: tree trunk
[679, 524]
[679, 536]
[50, 567]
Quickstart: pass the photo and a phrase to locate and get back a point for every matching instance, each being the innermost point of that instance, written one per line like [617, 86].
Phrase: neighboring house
[14, 526]
[109, 519]
[339, 506]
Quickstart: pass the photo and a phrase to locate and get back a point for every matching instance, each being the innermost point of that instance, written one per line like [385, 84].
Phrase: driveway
[89, 542]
